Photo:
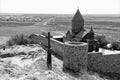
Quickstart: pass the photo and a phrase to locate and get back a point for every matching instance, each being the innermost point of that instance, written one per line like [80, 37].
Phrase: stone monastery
[77, 47]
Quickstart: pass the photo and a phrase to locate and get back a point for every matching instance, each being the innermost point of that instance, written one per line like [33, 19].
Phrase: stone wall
[39, 39]
[104, 63]
[74, 54]
[75, 57]
[96, 61]
[57, 46]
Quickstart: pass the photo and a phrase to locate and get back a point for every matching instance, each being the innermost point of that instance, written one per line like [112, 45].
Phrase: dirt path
[45, 21]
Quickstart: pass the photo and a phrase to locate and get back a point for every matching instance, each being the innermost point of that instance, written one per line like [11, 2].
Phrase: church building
[77, 33]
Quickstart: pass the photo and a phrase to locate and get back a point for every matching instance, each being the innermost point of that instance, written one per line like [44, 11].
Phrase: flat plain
[108, 25]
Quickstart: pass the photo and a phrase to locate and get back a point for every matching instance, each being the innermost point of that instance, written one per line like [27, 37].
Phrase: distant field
[108, 25]
[15, 24]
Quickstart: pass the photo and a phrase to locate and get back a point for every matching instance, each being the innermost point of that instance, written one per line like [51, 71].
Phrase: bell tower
[77, 23]
[91, 33]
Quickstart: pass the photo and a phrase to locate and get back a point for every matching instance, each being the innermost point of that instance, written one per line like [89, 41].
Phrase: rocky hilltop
[29, 63]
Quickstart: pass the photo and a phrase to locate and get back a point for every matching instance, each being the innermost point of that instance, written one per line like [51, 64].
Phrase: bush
[44, 33]
[19, 40]
[103, 43]
[116, 45]
[102, 40]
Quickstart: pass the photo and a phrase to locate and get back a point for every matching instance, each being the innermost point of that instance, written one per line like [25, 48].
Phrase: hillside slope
[29, 63]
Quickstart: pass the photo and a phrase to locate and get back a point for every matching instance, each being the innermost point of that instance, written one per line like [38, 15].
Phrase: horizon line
[60, 13]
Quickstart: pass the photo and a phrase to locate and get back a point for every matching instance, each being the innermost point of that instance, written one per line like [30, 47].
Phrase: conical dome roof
[91, 31]
[78, 16]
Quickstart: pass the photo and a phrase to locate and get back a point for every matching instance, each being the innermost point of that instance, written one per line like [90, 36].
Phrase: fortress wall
[104, 63]
[95, 61]
[39, 39]
[57, 46]
[75, 56]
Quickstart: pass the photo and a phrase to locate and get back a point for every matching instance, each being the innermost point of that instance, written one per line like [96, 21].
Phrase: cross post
[49, 61]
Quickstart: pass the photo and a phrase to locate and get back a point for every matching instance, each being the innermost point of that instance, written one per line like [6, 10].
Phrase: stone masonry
[75, 57]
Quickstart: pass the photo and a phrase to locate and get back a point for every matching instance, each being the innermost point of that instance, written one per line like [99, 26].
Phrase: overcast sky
[60, 6]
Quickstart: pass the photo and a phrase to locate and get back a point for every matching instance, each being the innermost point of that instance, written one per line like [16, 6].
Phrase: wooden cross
[49, 61]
